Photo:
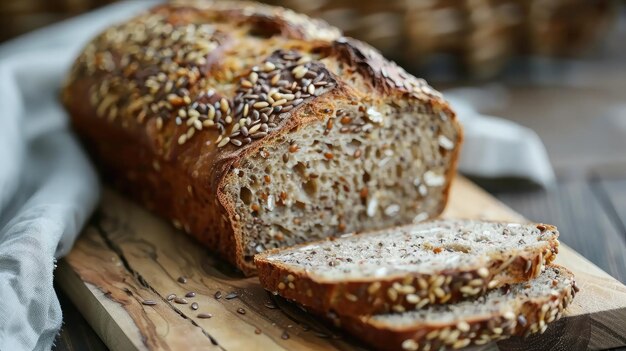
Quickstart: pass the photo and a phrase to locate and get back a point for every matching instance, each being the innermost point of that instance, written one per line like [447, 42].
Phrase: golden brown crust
[531, 316]
[402, 292]
[158, 102]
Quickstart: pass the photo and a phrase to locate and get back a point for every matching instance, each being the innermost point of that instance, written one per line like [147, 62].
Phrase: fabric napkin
[496, 147]
[48, 188]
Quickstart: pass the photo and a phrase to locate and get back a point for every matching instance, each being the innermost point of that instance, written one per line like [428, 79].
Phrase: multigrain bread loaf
[519, 309]
[408, 267]
[252, 127]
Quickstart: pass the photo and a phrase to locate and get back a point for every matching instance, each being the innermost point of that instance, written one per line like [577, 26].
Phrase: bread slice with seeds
[518, 309]
[408, 267]
[252, 127]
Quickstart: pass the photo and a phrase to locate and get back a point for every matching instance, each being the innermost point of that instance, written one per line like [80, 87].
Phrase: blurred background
[445, 39]
[557, 67]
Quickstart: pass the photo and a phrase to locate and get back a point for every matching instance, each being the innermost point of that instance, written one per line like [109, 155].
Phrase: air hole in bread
[310, 187]
[245, 195]
[399, 171]
[300, 169]
[354, 145]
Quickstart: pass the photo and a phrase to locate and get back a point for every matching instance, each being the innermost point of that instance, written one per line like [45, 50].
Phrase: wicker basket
[20, 16]
[480, 34]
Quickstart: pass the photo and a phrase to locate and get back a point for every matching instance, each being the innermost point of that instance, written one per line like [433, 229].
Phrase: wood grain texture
[127, 256]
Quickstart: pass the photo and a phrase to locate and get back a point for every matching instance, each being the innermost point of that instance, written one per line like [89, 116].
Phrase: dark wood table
[578, 108]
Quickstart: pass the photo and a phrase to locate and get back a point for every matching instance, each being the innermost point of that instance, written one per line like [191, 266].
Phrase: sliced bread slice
[408, 267]
[518, 309]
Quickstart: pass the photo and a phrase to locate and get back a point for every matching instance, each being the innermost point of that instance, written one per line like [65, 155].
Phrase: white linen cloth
[496, 147]
[48, 188]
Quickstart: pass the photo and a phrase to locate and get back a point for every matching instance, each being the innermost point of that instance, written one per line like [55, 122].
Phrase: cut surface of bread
[409, 267]
[518, 309]
[360, 161]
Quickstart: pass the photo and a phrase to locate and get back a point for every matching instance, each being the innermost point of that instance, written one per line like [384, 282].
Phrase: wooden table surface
[578, 108]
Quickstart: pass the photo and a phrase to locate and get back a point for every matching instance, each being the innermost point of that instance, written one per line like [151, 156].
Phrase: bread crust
[357, 297]
[133, 132]
[527, 317]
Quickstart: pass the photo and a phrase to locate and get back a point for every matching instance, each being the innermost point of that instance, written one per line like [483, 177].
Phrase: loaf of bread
[519, 309]
[252, 127]
[409, 267]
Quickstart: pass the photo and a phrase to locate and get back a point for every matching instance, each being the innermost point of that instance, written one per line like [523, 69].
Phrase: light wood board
[127, 255]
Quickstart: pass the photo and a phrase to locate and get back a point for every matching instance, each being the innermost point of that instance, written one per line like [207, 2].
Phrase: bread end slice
[517, 310]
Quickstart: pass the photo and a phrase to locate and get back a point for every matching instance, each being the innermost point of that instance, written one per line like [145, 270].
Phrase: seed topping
[179, 89]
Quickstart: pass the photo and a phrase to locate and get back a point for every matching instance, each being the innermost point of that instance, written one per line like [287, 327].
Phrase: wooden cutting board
[127, 256]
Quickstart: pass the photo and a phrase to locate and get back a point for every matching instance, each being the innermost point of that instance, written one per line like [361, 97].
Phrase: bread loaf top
[186, 68]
